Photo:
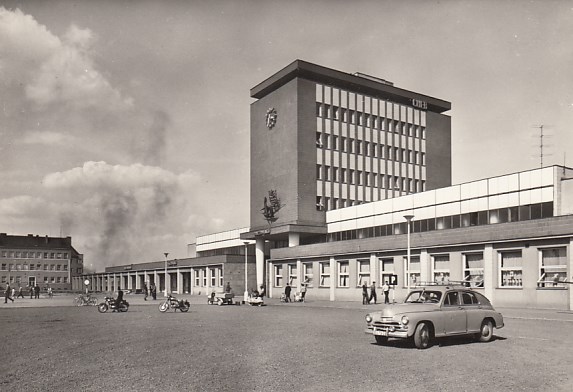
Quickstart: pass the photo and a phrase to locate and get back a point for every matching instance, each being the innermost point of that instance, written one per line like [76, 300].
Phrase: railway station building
[349, 175]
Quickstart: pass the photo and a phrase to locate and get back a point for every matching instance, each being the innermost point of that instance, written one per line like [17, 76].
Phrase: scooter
[173, 303]
[110, 303]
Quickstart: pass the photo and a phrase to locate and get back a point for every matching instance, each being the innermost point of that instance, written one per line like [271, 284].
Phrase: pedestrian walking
[303, 289]
[13, 292]
[365, 298]
[153, 291]
[144, 291]
[287, 293]
[262, 291]
[20, 293]
[386, 290]
[7, 294]
[373, 293]
[31, 291]
[228, 288]
[37, 291]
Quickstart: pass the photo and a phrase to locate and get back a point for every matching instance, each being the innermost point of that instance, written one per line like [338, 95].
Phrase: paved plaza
[315, 346]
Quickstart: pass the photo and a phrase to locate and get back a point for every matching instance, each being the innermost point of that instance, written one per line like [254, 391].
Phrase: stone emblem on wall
[271, 118]
[272, 205]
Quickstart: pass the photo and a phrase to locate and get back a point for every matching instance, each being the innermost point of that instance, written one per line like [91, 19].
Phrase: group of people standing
[149, 292]
[303, 288]
[368, 298]
[10, 293]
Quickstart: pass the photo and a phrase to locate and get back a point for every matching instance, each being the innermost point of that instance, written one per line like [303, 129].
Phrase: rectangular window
[386, 270]
[473, 269]
[278, 275]
[204, 277]
[45, 267]
[552, 267]
[363, 272]
[292, 274]
[46, 279]
[197, 277]
[510, 269]
[4, 267]
[307, 273]
[213, 277]
[220, 275]
[65, 267]
[65, 279]
[59, 279]
[343, 274]
[324, 274]
[441, 268]
[415, 270]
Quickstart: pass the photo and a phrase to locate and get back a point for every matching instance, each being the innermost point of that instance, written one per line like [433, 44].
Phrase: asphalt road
[280, 347]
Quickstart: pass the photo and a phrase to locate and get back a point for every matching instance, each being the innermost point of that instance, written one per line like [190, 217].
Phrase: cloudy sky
[124, 124]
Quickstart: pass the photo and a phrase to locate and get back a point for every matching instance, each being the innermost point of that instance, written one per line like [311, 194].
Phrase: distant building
[33, 259]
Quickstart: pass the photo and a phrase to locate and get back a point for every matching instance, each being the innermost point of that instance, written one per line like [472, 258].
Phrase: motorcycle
[111, 303]
[173, 303]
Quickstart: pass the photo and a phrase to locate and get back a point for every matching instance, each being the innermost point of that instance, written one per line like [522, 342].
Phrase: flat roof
[351, 82]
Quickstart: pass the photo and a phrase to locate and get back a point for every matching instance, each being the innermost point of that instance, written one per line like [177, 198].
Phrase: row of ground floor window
[532, 273]
[186, 280]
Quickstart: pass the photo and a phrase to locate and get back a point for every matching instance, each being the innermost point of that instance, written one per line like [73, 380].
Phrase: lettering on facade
[172, 263]
[418, 103]
[127, 267]
[271, 207]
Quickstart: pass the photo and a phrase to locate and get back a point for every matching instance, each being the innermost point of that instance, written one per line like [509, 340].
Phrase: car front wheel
[422, 336]
[485, 332]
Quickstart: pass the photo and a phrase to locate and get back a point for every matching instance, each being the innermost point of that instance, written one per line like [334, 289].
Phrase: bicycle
[85, 300]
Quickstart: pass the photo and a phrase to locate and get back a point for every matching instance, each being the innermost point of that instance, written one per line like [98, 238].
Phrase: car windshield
[424, 296]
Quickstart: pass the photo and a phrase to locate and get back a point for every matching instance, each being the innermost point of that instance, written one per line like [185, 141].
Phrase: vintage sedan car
[435, 311]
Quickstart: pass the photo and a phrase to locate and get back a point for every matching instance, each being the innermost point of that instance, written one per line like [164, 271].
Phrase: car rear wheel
[422, 336]
[486, 331]
[381, 339]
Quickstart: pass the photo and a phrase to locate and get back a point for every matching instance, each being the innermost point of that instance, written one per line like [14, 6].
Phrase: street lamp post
[166, 254]
[409, 220]
[246, 293]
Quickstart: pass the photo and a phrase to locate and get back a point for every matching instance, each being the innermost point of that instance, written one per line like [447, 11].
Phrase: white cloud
[53, 70]
[47, 138]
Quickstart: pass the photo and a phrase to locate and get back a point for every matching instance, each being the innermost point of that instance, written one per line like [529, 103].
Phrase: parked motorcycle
[173, 303]
[110, 303]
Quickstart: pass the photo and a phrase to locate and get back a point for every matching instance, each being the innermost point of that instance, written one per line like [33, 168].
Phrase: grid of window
[473, 269]
[386, 138]
[415, 270]
[552, 267]
[292, 274]
[441, 268]
[278, 275]
[324, 274]
[307, 273]
[454, 222]
[386, 270]
[343, 274]
[363, 272]
[510, 269]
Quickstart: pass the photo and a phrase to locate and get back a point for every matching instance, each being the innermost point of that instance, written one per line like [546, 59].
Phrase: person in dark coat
[145, 291]
[37, 291]
[373, 295]
[287, 293]
[7, 294]
[364, 294]
[153, 291]
[20, 293]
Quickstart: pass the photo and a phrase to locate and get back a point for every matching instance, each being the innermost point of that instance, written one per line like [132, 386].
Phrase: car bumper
[400, 334]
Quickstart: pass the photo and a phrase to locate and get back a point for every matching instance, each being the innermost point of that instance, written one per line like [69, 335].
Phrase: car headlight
[368, 318]
[405, 320]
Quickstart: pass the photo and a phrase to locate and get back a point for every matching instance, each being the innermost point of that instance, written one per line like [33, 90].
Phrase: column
[489, 278]
[260, 257]
[299, 277]
[207, 280]
[332, 279]
[156, 279]
[179, 281]
[293, 239]
[374, 273]
[425, 266]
